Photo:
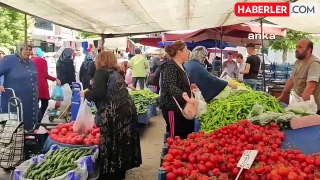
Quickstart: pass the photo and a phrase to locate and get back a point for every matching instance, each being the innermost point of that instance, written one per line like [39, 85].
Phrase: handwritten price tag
[247, 159]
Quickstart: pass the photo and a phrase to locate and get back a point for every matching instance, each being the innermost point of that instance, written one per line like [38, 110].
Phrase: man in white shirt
[242, 66]
[230, 66]
[78, 60]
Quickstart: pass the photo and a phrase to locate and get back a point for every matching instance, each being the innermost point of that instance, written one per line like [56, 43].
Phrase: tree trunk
[285, 55]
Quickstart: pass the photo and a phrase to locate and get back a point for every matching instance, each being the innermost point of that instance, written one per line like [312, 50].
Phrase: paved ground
[151, 144]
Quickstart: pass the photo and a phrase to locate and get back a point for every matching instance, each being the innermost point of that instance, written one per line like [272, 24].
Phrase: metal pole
[102, 42]
[25, 30]
[221, 36]
[263, 62]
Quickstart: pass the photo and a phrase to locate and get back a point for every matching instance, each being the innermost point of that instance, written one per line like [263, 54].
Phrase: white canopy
[133, 16]
[309, 24]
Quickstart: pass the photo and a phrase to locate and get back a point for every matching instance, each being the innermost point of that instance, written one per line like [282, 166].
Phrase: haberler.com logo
[275, 9]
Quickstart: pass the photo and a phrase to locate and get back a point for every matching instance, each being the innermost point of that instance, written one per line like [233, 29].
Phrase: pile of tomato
[215, 155]
[64, 133]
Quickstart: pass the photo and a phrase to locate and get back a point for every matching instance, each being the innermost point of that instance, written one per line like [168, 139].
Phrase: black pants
[177, 125]
[43, 108]
[141, 82]
[318, 112]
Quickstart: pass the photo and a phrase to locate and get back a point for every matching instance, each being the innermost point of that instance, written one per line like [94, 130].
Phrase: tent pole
[221, 36]
[25, 30]
[103, 36]
[263, 62]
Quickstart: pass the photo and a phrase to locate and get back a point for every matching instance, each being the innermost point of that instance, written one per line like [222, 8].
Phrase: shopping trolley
[11, 133]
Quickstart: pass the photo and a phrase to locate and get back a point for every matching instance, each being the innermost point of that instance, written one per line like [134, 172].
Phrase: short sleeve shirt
[254, 62]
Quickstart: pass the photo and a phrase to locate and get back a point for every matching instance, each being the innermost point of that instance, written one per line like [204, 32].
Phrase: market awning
[305, 23]
[133, 16]
[236, 31]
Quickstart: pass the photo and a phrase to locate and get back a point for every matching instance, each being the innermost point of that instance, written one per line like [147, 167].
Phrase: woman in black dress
[65, 68]
[173, 83]
[117, 118]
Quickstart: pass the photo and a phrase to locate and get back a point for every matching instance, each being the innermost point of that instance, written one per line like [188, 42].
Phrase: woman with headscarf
[65, 67]
[20, 74]
[2, 54]
[43, 77]
[209, 85]
[84, 77]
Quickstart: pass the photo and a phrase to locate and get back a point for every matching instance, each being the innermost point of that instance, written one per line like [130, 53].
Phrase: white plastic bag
[202, 105]
[225, 76]
[299, 106]
[85, 119]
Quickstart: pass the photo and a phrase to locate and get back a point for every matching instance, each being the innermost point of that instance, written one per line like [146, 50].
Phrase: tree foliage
[12, 27]
[289, 41]
[85, 35]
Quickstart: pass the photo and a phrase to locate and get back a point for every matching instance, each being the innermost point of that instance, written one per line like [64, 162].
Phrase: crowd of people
[177, 73]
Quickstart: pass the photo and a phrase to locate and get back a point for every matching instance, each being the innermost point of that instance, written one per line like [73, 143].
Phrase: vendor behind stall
[209, 85]
[305, 75]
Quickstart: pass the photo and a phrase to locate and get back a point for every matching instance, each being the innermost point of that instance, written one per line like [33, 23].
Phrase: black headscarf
[66, 54]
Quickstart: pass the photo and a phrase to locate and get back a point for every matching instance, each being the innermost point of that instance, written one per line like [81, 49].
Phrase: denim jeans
[141, 82]
[251, 83]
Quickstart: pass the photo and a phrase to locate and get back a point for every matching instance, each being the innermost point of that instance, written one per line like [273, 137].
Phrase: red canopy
[236, 34]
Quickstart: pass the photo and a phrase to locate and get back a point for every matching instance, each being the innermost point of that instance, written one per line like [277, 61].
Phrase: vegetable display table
[305, 139]
[144, 118]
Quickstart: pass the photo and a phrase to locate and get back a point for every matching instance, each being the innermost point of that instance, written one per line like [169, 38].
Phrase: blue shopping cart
[75, 100]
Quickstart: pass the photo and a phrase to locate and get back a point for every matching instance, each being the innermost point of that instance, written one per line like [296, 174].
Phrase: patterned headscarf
[199, 53]
[87, 61]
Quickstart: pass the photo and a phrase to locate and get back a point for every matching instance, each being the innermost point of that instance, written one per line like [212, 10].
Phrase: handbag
[152, 80]
[190, 110]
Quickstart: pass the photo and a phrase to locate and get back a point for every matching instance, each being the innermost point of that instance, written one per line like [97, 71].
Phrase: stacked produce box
[145, 102]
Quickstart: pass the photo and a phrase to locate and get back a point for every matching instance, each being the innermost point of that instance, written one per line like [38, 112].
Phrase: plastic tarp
[309, 24]
[133, 16]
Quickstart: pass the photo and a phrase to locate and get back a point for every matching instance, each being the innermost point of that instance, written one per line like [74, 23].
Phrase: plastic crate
[268, 67]
[282, 68]
[164, 151]
[161, 174]
[143, 118]
[34, 143]
[165, 136]
[281, 76]
[269, 75]
[152, 110]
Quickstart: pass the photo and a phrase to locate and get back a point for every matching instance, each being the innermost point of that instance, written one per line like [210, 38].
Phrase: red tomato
[63, 131]
[98, 135]
[54, 131]
[170, 176]
[292, 176]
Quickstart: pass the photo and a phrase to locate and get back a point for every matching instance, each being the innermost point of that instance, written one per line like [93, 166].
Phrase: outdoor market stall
[286, 140]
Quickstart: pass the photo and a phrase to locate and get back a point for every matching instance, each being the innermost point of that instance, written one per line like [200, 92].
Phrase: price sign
[247, 159]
